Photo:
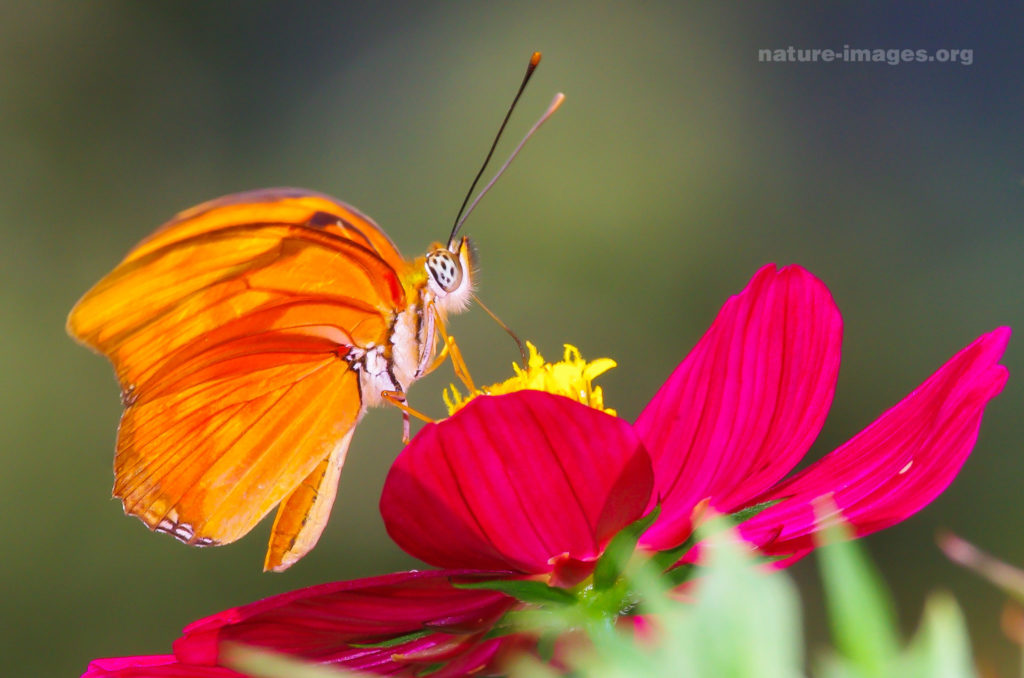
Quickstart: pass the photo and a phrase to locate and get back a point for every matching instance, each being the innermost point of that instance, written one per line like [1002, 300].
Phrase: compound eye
[445, 270]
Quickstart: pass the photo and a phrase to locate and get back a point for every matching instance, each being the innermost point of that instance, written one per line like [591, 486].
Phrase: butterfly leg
[437, 360]
[398, 399]
[432, 320]
[458, 363]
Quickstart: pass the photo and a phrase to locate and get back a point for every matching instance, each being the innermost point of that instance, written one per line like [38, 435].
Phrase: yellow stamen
[571, 377]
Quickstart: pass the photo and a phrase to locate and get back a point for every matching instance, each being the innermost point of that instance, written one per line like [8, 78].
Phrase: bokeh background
[678, 165]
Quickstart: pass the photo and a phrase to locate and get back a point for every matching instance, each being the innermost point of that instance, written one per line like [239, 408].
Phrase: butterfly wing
[302, 516]
[230, 330]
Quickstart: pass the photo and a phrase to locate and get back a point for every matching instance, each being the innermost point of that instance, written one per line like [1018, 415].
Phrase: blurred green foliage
[678, 165]
[740, 620]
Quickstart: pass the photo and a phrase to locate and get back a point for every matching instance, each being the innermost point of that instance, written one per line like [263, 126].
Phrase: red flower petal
[471, 659]
[473, 662]
[899, 463]
[153, 666]
[518, 481]
[325, 623]
[384, 625]
[399, 601]
[745, 405]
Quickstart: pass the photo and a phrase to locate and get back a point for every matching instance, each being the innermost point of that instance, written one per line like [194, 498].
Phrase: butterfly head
[450, 274]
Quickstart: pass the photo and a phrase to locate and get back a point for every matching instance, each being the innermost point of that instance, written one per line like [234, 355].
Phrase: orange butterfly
[249, 335]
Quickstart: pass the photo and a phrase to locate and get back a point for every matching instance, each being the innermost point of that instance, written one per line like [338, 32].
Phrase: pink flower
[528, 482]
[533, 486]
[731, 421]
[745, 405]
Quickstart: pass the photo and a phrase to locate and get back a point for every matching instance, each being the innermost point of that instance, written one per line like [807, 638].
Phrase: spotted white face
[450, 276]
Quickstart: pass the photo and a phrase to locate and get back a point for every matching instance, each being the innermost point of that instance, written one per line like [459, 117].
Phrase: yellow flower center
[571, 377]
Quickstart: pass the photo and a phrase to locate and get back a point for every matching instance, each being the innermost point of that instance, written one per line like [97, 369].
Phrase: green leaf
[745, 619]
[859, 606]
[941, 648]
[526, 590]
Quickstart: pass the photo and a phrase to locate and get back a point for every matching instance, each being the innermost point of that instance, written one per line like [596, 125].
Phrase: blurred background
[678, 165]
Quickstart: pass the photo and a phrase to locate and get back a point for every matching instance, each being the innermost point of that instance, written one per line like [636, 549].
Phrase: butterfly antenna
[555, 103]
[459, 218]
[515, 337]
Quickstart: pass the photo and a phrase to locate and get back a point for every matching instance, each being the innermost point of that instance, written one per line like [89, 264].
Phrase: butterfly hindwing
[302, 516]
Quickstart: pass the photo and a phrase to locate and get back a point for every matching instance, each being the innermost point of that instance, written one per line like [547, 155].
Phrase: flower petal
[342, 622]
[745, 405]
[519, 482]
[153, 666]
[471, 661]
[899, 463]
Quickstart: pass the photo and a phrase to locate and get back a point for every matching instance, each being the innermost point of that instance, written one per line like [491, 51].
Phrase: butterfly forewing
[231, 329]
[208, 470]
[182, 291]
[274, 206]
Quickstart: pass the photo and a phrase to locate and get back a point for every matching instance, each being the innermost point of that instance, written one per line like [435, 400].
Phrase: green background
[678, 165]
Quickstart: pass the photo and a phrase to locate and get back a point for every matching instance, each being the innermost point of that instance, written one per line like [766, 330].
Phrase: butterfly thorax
[437, 284]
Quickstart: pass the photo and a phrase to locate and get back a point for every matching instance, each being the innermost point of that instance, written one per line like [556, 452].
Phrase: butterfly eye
[445, 270]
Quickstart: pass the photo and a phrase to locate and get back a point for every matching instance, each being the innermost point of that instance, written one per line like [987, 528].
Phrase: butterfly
[249, 335]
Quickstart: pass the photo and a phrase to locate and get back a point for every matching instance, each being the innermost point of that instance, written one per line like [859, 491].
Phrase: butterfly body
[249, 335]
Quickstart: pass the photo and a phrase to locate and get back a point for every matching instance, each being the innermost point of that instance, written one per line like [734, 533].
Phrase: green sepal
[678, 575]
[502, 629]
[529, 620]
[664, 560]
[746, 514]
[546, 646]
[610, 565]
[397, 640]
[525, 590]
